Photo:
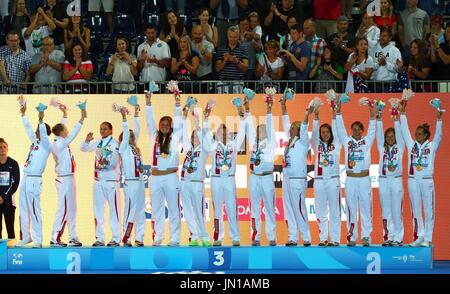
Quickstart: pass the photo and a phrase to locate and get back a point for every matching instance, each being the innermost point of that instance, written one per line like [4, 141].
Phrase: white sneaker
[157, 243]
[416, 243]
[37, 245]
[22, 243]
[425, 244]
[173, 244]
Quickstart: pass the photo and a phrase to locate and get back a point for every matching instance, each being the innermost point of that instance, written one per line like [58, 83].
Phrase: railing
[212, 87]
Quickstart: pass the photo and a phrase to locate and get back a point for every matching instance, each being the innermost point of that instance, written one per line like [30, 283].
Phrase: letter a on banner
[374, 8]
[74, 8]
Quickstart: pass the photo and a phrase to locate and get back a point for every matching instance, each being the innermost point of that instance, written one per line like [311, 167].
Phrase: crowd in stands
[333, 42]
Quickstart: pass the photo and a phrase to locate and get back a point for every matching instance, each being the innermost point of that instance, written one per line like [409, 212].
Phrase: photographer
[123, 67]
[251, 41]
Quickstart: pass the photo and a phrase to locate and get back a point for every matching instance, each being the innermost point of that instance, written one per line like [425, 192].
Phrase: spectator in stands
[185, 64]
[172, 30]
[387, 18]
[41, 26]
[436, 32]
[359, 67]
[108, 8]
[57, 12]
[153, 57]
[227, 12]
[341, 44]
[46, 67]
[255, 26]
[75, 33]
[419, 65]
[440, 55]
[232, 61]
[77, 69]
[123, 67]
[347, 7]
[14, 64]
[325, 70]
[414, 23]
[177, 5]
[298, 56]
[326, 12]
[317, 44]
[387, 59]
[288, 40]
[270, 66]
[276, 20]
[205, 50]
[209, 32]
[252, 43]
[370, 31]
[18, 20]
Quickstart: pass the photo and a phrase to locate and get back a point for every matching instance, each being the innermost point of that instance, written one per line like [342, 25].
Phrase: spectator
[370, 31]
[46, 67]
[325, 70]
[232, 61]
[298, 56]
[123, 67]
[41, 26]
[387, 17]
[440, 55]
[177, 5]
[317, 44]
[14, 64]
[326, 12]
[57, 12]
[185, 64]
[205, 51]
[75, 33]
[172, 30]
[209, 31]
[419, 65]
[78, 69]
[359, 67]
[387, 59]
[276, 20]
[18, 20]
[9, 182]
[252, 43]
[288, 40]
[270, 66]
[262, 7]
[436, 32]
[341, 44]
[414, 23]
[153, 57]
[255, 26]
[227, 12]
[108, 7]
[347, 7]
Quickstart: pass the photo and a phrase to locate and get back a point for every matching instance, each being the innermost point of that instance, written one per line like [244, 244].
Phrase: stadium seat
[96, 46]
[151, 18]
[123, 24]
[98, 26]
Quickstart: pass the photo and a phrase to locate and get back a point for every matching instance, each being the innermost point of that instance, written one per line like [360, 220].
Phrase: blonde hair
[188, 41]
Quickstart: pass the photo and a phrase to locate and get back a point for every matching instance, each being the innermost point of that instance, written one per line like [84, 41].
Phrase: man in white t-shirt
[153, 56]
[205, 51]
[41, 26]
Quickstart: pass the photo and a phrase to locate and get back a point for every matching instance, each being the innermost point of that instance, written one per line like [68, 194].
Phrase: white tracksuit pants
[134, 210]
[328, 208]
[262, 187]
[224, 190]
[66, 212]
[295, 212]
[358, 193]
[391, 200]
[30, 209]
[192, 201]
[107, 191]
[422, 191]
[166, 189]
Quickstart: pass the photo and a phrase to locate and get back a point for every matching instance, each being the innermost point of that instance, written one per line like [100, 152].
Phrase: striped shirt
[317, 47]
[231, 71]
[16, 65]
[78, 77]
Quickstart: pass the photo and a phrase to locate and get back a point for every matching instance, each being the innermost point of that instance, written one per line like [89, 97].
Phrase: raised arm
[125, 134]
[372, 127]
[405, 131]
[380, 135]
[398, 134]
[186, 138]
[43, 131]
[438, 135]
[270, 131]
[304, 137]
[27, 125]
[251, 130]
[150, 119]
[315, 133]
[88, 145]
[137, 123]
[240, 135]
[208, 142]
[76, 129]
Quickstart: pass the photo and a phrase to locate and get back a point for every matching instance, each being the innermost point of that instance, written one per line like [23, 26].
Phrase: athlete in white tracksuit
[66, 211]
[390, 148]
[224, 149]
[106, 183]
[133, 185]
[421, 156]
[294, 178]
[31, 184]
[358, 190]
[327, 149]
[165, 185]
[192, 183]
[262, 145]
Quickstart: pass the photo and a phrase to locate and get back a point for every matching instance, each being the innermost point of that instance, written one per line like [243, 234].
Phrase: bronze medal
[325, 162]
[190, 170]
[391, 168]
[225, 167]
[352, 163]
[257, 162]
[419, 167]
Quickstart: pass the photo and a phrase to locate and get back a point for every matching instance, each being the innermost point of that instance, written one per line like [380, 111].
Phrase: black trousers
[8, 212]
